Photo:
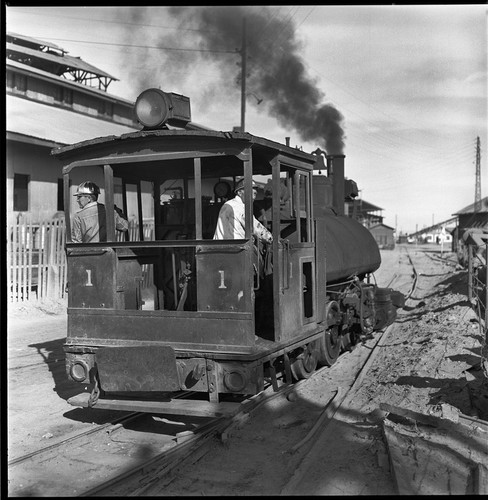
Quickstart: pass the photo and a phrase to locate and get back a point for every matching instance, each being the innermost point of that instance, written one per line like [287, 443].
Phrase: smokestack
[335, 168]
[287, 139]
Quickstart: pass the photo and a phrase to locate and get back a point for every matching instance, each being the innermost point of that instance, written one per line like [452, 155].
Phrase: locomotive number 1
[88, 278]
[222, 283]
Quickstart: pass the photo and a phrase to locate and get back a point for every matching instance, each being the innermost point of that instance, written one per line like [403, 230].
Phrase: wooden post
[486, 293]
[109, 202]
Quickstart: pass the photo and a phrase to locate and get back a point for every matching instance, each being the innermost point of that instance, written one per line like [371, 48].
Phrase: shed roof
[49, 57]
[470, 208]
[365, 206]
[381, 225]
[34, 42]
[59, 80]
[54, 124]
[62, 64]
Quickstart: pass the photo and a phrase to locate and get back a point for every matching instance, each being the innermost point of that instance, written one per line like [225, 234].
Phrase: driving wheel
[306, 363]
[330, 344]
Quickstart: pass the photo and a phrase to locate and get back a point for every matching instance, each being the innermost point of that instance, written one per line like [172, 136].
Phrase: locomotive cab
[165, 307]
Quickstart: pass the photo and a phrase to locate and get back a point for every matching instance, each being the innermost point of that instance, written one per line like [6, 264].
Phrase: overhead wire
[390, 137]
[383, 140]
[145, 46]
[37, 12]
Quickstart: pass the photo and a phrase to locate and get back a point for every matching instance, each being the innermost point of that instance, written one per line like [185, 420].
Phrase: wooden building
[52, 99]
[384, 236]
[471, 217]
[364, 212]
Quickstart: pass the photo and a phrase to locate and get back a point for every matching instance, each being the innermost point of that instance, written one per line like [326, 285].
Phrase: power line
[381, 140]
[106, 21]
[144, 46]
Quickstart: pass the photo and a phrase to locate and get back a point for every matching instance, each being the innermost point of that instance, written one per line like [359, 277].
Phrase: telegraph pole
[477, 189]
[243, 76]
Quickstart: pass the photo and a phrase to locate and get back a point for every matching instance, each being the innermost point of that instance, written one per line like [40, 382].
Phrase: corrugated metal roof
[381, 225]
[50, 123]
[35, 41]
[470, 208]
[64, 62]
[364, 206]
[65, 82]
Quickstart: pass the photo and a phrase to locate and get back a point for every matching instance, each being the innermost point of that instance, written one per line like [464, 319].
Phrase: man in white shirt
[231, 222]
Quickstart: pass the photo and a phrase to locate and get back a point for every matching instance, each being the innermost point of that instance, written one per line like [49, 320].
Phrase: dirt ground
[430, 359]
[18, 311]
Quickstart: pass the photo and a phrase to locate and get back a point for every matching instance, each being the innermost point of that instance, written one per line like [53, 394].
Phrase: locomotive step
[173, 407]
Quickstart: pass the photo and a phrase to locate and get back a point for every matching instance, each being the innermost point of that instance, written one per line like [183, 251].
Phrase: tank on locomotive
[167, 308]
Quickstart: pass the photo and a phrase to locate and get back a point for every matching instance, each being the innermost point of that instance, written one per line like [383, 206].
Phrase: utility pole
[243, 76]
[477, 189]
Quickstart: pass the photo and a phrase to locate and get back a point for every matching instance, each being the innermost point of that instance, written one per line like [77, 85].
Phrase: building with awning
[52, 99]
[365, 212]
[473, 216]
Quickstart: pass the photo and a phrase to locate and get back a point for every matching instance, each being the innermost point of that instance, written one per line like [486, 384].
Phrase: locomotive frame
[211, 320]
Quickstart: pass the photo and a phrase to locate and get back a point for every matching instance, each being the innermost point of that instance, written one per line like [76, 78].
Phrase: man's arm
[76, 236]
[121, 222]
[261, 232]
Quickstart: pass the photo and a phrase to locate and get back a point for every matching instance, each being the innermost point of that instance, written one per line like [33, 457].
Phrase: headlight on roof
[154, 108]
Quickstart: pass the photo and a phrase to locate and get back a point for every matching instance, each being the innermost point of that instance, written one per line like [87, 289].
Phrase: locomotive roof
[146, 142]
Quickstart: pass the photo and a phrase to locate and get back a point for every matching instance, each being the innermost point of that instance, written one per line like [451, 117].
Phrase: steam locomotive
[168, 308]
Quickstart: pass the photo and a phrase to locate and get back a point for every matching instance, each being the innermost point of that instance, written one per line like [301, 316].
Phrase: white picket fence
[36, 258]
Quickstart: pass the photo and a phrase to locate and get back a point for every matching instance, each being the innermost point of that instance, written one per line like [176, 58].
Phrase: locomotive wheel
[330, 348]
[330, 344]
[306, 363]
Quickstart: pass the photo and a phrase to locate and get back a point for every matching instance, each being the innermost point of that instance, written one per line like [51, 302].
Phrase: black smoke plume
[275, 70]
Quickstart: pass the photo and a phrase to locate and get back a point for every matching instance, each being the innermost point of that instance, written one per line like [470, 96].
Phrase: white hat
[87, 188]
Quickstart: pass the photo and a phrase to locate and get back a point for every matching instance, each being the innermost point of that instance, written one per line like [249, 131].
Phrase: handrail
[158, 243]
[286, 264]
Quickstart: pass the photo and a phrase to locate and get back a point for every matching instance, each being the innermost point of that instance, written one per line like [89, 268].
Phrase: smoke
[275, 70]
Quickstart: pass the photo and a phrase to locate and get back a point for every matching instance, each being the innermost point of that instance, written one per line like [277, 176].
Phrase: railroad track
[405, 282]
[56, 446]
[472, 426]
[155, 455]
[147, 484]
[137, 476]
[122, 443]
[49, 362]
[140, 436]
[344, 397]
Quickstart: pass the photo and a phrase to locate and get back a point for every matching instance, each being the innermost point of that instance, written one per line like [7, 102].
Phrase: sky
[400, 90]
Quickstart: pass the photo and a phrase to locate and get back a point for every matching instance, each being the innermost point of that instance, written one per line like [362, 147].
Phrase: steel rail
[31, 365]
[338, 399]
[53, 446]
[102, 427]
[145, 475]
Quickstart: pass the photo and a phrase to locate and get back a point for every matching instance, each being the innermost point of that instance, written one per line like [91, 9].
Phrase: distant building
[384, 236]
[52, 99]
[371, 216]
[364, 212]
[469, 218]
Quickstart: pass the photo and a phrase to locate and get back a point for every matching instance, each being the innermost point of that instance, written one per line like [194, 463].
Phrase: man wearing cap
[89, 224]
[231, 222]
